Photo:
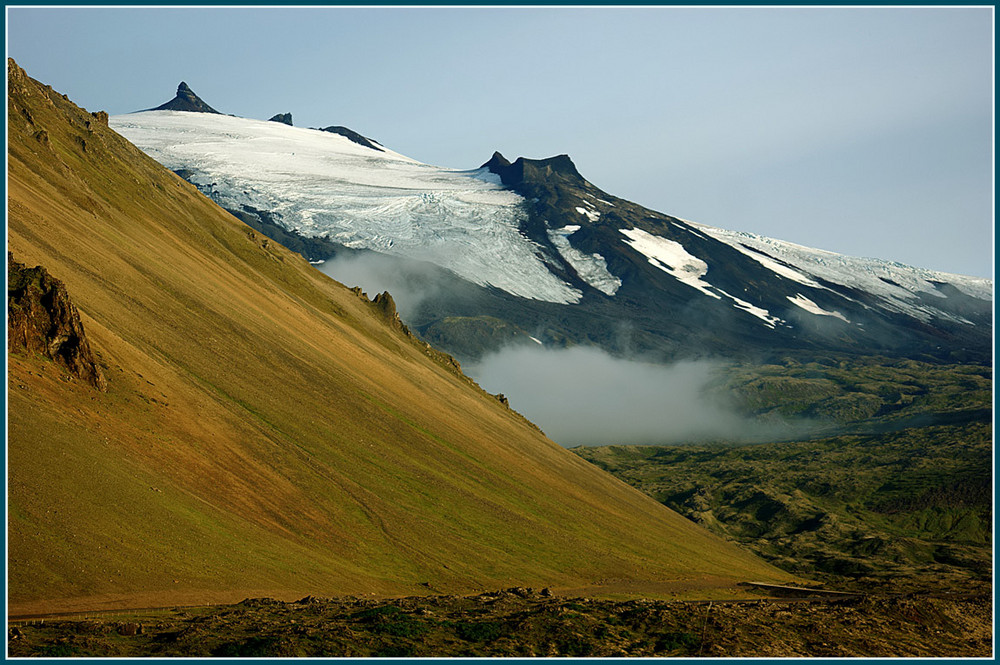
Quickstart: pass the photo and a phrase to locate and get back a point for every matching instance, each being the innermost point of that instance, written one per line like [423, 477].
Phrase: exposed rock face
[286, 118]
[185, 100]
[353, 136]
[384, 304]
[41, 318]
[534, 171]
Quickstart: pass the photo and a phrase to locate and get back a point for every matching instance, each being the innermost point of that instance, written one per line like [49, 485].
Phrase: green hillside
[267, 431]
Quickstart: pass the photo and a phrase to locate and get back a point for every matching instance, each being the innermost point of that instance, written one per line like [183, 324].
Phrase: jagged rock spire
[185, 100]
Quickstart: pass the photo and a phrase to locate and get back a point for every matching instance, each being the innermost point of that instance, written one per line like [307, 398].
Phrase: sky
[864, 131]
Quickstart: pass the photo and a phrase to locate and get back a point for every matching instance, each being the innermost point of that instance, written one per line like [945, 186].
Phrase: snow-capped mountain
[323, 184]
[532, 248]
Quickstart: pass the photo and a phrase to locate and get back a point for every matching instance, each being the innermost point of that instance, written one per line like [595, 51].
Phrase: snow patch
[671, 257]
[761, 313]
[690, 230]
[777, 268]
[592, 215]
[813, 308]
[592, 268]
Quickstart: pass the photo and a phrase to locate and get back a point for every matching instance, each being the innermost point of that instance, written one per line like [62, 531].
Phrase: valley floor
[524, 622]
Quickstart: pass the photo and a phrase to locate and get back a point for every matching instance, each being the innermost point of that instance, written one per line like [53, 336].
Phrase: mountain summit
[185, 100]
[534, 248]
[533, 171]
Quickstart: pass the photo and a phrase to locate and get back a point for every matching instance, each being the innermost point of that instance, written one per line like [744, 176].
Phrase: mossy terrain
[891, 482]
[860, 393]
[521, 623]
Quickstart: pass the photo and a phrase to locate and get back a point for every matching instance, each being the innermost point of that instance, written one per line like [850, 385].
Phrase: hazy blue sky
[858, 130]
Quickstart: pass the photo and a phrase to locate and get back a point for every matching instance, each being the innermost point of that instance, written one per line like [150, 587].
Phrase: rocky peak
[534, 171]
[497, 163]
[42, 319]
[185, 100]
[285, 118]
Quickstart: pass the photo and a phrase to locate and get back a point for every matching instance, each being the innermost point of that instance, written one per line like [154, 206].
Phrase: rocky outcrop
[534, 171]
[386, 306]
[42, 319]
[185, 100]
[353, 136]
[285, 118]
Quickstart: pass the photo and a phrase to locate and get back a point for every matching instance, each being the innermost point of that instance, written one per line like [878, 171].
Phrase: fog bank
[409, 282]
[583, 396]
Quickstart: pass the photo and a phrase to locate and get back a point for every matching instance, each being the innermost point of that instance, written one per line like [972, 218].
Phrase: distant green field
[896, 486]
[871, 393]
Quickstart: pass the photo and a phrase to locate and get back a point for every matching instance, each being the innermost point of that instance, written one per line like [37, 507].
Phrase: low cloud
[580, 395]
[409, 282]
[583, 396]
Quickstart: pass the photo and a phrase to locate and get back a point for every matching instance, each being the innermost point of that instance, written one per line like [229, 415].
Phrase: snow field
[896, 284]
[322, 184]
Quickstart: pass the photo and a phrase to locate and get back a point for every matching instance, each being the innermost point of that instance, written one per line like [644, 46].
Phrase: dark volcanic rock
[353, 136]
[285, 118]
[42, 319]
[497, 164]
[534, 171]
[185, 100]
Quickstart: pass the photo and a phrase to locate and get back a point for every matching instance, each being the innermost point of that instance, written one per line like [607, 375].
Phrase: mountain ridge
[565, 252]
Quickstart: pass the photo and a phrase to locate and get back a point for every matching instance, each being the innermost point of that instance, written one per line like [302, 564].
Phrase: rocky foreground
[521, 622]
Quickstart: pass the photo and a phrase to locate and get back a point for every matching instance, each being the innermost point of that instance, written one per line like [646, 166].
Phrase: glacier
[591, 268]
[322, 184]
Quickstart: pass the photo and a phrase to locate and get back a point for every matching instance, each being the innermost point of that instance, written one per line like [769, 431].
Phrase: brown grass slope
[264, 431]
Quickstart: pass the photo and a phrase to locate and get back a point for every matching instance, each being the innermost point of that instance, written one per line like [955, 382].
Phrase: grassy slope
[263, 430]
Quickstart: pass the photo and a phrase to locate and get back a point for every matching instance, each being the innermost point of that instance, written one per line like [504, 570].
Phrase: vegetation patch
[895, 490]
[480, 631]
[489, 625]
